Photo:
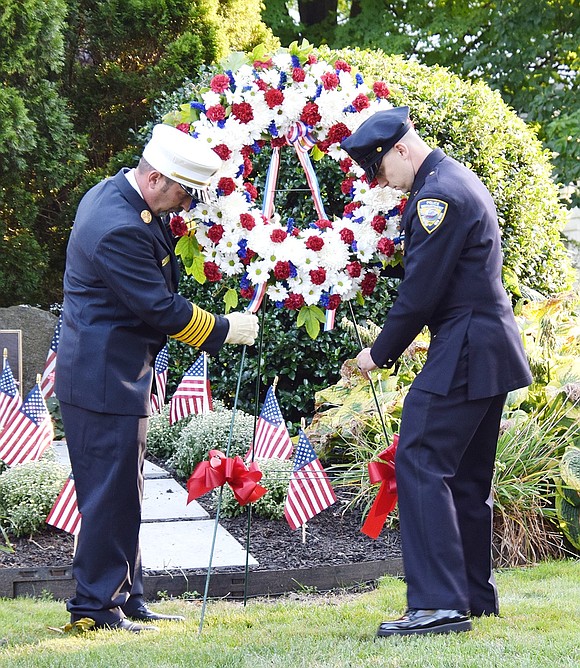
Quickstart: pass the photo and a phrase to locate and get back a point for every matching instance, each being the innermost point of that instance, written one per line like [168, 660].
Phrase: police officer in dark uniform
[120, 304]
[451, 283]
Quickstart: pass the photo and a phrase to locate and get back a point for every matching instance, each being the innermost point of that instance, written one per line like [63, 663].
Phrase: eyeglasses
[191, 192]
[196, 194]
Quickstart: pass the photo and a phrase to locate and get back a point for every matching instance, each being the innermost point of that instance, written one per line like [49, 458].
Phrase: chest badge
[431, 213]
[146, 216]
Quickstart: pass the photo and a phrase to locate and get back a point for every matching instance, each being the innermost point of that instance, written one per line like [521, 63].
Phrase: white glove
[243, 328]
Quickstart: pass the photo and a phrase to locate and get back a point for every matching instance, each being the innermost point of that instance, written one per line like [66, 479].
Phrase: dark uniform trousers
[444, 471]
[107, 454]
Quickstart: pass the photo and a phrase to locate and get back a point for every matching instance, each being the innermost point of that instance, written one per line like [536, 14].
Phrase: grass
[539, 628]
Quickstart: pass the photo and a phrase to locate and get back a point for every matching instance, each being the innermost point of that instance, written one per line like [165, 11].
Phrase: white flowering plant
[268, 102]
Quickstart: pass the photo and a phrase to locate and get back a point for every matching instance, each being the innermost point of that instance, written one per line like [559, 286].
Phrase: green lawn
[539, 628]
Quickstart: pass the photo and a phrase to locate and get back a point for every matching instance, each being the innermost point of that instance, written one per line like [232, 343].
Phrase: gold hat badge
[146, 216]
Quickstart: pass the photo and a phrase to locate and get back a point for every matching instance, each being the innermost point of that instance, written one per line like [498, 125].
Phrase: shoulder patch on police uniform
[431, 213]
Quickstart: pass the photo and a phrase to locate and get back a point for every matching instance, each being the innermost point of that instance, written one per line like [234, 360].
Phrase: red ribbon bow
[383, 472]
[220, 469]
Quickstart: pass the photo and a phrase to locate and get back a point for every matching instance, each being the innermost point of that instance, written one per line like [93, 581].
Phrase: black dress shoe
[143, 614]
[125, 625]
[416, 621]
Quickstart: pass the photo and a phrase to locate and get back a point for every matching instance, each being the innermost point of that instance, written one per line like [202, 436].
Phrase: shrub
[211, 431]
[271, 506]
[27, 493]
[162, 436]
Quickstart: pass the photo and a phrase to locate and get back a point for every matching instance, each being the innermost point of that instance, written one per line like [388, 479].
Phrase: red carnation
[402, 204]
[278, 236]
[323, 224]
[282, 270]
[220, 83]
[249, 255]
[216, 113]
[222, 151]
[346, 186]
[350, 207]
[184, 127]
[318, 276]
[251, 189]
[338, 132]
[212, 272]
[342, 65]
[243, 112]
[347, 235]
[314, 243]
[345, 165]
[386, 246]
[361, 102]
[381, 89]
[311, 59]
[368, 284]
[354, 269]
[324, 145]
[263, 64]
[329, 80]
[334, 302]
[178, 226]
[378, 223]
[247, 221]
[248, 168]
[278, 142]
[261, 84]
[298, 75]
[215, 233]
[310, 114]
[273, 97]
[294, 302]
[247, 293]
[226, 185]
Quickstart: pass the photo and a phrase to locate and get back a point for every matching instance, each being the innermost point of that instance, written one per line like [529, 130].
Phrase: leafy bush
[568, 494]
[271, 506]
[27, 493]
[162, 436]
[211, 431]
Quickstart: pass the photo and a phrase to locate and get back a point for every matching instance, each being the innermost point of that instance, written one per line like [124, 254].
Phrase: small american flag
[47, 380]
[29, 432]
[272, 438]
[10, 400]
[309, 491]
[65, 513]
[161, 366]
[193, 394]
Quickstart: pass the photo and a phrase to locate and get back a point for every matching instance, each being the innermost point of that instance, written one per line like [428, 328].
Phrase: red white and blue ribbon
[257, 297]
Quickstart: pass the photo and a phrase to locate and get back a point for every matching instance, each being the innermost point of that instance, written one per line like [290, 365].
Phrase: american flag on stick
[29, 432]
[161, 366]
[47, 381]
[10, 400]
[309, 491]
[65, 513]
[272, 438]
[193, 394]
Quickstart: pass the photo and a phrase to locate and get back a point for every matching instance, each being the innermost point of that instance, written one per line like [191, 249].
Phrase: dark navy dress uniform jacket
[121, 303]
[452, 283]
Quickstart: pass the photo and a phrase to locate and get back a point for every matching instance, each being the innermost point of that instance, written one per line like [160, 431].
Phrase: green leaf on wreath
[231, 299]
[316, 153]
[196, 269]
[234, 61]
[311, 317]
[185, 249]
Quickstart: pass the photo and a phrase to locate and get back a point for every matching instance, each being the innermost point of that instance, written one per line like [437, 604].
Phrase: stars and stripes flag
[65, 513]
[47, 381]
[10, 400]
[272, 438]
[161, 366]
[193, 394]
[29, 432]
[309, 491]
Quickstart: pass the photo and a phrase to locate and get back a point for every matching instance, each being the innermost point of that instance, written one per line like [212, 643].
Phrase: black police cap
[375, 136]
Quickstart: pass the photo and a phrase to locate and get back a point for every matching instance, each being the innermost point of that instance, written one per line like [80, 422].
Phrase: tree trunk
[316, 11]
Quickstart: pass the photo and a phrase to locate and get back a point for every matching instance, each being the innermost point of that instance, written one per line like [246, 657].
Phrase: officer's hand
[243, 328]
[365, 362]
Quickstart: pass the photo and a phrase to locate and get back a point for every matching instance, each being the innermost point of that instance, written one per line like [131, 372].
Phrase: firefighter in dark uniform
[120, 304]
[451, 283]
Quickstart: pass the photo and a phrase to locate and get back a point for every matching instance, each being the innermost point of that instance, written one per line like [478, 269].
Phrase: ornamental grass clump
[211, 431]
[270, 506]
[27, 493]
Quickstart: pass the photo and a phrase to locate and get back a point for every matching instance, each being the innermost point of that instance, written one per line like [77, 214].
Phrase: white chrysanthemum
[311, 293]
[231, 265]
[341, 284]
[277, 292]
[289, 113]
[335, 253]
[381, 199]
[232, 206]
[210, 99]
[228, 244]
[202, 212]
[330, 106]
[258, 271]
